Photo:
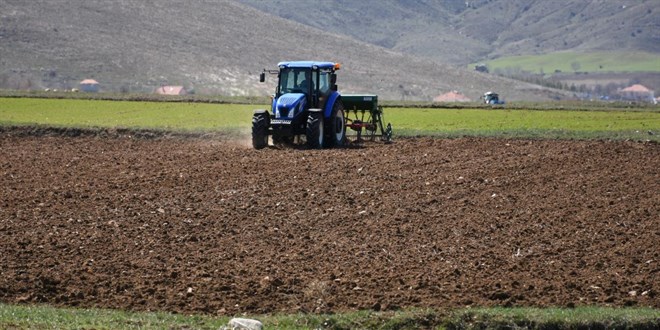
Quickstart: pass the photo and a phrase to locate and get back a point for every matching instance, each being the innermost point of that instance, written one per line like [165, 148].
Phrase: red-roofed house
[453, 96]
[637, 92]
[89, 85]
[171, 90]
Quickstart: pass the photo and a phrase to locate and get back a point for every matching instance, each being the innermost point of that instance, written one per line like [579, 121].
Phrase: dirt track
[216, 227]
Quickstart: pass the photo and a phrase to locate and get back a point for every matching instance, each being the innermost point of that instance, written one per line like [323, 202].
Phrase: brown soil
[209, 226]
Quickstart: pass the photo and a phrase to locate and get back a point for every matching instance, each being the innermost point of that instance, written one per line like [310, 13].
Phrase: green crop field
[583, 62]
[127, 114]
[204, 117]
[526, 123]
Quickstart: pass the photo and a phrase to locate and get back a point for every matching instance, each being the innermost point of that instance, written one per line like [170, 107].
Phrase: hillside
[209, 46]
[461, 32]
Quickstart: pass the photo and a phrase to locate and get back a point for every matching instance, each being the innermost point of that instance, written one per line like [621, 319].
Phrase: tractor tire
[315, 135]
[336, 127]
[260, 123]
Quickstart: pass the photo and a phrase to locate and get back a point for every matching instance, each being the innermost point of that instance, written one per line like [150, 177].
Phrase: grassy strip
[202, 117]
[556, 318]
[216, 99]
[528, 105]
[44, 317]
[260, 100]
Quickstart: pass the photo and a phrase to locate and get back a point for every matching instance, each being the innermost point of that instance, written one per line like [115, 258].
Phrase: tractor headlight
[292, 112]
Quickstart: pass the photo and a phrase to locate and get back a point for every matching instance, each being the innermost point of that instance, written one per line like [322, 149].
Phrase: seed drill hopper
[364, 118]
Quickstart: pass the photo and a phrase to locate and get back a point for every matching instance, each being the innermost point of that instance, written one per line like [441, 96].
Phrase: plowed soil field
[212, 226]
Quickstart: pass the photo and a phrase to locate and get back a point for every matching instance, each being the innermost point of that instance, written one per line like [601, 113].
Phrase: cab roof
[307, 64]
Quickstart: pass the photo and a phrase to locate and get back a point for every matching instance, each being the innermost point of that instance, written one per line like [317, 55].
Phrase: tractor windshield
[295, 80]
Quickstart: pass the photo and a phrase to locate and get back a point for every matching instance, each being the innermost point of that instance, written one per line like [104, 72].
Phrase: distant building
[171, 90]
[637, 92]
[453, 96]
[89, 85]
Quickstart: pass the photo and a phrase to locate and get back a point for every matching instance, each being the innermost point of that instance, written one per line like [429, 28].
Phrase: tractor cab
[316, 80]
[296, 80]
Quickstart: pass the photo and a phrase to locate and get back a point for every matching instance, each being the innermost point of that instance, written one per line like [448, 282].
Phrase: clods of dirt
[207, 226]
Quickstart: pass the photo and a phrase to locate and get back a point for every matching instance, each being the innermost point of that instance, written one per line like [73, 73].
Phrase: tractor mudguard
[273, 104]
[327, 111]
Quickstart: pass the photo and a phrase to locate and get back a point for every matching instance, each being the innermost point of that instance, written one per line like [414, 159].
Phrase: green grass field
[204, 117]
[526, 123]
[586, 62]
[126, 114]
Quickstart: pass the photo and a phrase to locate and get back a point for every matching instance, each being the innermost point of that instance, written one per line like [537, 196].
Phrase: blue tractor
[306, 107]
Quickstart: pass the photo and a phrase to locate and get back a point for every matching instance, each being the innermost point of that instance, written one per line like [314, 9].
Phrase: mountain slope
[211, 46]
[538, 26]
[421, 27]
[461, 32]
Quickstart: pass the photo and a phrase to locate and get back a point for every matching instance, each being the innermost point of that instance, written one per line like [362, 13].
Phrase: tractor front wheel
[260, 123]
[315, 135]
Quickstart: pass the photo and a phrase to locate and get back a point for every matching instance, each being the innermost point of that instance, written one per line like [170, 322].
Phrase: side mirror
[334, 87]
[262, 77]
[333, 79]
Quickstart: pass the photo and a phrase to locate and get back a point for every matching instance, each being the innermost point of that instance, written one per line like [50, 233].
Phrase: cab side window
[324, 82]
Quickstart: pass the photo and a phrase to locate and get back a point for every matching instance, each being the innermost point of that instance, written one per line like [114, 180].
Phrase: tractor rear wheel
[315, 134]
[260, 123]
[336, 126]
